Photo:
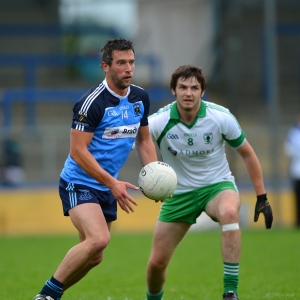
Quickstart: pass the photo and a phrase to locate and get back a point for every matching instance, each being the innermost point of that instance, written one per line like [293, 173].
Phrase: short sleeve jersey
[196, 151]
[292, 149]
[115, 122]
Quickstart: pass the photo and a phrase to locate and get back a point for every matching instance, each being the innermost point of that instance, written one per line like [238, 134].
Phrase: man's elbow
[74, 153]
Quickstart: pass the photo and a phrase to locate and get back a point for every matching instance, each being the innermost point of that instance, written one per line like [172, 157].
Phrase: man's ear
[202, 94]
[104, 66]
[173, 92]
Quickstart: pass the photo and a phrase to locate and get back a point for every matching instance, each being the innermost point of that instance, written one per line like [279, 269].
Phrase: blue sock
[53, 288]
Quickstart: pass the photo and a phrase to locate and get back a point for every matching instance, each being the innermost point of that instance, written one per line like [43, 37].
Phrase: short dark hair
[188, 71]
[114, 44]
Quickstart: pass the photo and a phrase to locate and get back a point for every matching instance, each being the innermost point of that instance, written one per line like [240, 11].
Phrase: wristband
[262, 197]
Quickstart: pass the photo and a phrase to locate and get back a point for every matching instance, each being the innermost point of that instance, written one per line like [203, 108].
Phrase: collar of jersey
[174, 114]
[113, 93]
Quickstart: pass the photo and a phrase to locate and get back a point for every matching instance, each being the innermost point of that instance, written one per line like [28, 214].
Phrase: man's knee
[229, 215]
[97, 245]
[157, 263]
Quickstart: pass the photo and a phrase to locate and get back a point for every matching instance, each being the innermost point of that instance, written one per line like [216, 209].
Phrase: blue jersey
[115, 121]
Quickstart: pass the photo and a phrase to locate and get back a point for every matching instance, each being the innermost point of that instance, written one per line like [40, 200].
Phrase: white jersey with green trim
[196, 151]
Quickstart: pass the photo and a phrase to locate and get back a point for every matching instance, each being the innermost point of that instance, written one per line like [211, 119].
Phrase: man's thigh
[227, 200]
[89, 220]
[167, 235]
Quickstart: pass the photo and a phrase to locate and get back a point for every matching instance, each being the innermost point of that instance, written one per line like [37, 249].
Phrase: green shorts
[187, 207]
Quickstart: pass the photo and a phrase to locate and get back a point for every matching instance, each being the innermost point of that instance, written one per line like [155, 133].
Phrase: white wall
[178, 32]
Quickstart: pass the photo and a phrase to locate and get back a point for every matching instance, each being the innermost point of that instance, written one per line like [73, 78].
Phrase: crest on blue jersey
[208, 137]
[85, 195]
[137, 110]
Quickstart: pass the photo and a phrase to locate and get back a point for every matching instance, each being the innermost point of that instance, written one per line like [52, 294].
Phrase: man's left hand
[263, 206]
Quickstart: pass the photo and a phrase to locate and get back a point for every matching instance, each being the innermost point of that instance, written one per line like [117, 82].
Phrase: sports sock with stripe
[53, 288]
[231, 277]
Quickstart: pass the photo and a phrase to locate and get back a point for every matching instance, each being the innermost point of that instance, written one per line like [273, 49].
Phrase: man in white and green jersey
[190, 134]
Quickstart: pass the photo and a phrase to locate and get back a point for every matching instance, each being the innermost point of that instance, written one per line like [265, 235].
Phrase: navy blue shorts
[73, 194]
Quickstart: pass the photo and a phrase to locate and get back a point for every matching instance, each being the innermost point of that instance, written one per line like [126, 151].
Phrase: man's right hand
[119, 191]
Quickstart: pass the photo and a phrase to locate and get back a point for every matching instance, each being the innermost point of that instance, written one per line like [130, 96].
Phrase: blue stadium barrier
[31, 62]
[30, 97]
[55, 30]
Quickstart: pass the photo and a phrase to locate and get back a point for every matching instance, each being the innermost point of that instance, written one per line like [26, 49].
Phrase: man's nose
[188, 91]
[129, 67]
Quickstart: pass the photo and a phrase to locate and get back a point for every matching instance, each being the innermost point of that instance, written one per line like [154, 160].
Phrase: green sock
[155, 296]
[231, 277]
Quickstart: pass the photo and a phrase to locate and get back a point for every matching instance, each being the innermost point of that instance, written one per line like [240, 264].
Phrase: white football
[157, 180]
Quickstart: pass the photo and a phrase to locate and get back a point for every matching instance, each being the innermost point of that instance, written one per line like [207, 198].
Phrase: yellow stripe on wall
[39, 212]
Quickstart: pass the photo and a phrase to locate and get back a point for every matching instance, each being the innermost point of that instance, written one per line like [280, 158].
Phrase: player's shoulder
[137, 93]
[90, 102]
[213, 107]
[164, 112]
[137, 90]
[217, 111]
[159, 120]
[93, 93]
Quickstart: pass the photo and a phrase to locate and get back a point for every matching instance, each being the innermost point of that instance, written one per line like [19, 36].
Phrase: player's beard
[121, 84]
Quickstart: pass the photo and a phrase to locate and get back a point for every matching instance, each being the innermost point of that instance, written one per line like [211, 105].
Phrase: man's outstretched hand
[263, 206]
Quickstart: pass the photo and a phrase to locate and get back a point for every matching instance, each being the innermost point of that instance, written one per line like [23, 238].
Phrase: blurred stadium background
[49, 56]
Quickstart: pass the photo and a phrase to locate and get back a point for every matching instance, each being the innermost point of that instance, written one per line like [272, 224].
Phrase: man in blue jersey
[190, 134]
[106, 122]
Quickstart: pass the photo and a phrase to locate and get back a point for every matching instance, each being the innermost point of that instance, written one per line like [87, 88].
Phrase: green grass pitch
[269, 269]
